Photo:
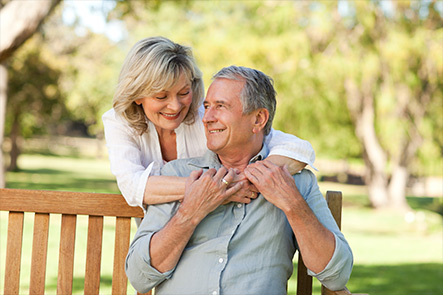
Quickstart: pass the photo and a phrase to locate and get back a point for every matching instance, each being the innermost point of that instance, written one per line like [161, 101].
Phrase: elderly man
[205, 245]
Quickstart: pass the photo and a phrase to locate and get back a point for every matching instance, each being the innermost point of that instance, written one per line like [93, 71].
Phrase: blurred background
[361, 80]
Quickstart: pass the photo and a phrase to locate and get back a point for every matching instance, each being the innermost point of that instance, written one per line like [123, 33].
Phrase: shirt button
[239, 205]
[220, 260]
[214, 293]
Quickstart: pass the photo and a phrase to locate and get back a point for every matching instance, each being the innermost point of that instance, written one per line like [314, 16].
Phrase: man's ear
[261, 118]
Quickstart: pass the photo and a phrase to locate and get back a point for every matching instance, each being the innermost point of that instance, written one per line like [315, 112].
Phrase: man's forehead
[225, 88]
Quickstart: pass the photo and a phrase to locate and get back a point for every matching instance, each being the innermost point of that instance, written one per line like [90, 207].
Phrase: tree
[36, 102]
[19, 20]
[390, 93]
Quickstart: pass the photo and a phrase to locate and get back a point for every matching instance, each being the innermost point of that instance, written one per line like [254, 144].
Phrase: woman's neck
[168, 144]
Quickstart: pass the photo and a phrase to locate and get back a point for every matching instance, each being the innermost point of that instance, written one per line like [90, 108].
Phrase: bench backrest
[69, 204]
[95, 206]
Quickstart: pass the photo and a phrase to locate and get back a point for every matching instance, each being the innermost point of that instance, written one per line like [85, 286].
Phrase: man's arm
[203, 193]
[166, 229]
[316, 232]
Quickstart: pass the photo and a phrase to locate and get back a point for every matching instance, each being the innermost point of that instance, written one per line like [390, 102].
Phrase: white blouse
[135, 157]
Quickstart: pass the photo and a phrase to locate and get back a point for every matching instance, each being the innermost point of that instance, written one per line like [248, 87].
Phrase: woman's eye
[185, 93]
[160, 97]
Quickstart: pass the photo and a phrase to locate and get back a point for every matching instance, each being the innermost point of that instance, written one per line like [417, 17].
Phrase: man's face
[227, 128]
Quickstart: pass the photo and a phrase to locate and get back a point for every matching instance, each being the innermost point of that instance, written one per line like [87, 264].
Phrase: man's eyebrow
[219, 101]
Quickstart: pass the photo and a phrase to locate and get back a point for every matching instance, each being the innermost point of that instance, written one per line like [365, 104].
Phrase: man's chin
[213, 147]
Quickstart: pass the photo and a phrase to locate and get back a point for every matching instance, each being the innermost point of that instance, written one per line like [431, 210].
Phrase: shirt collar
[210, 159]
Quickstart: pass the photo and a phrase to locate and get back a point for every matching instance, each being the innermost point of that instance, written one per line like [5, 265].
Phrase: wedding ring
[252, 196]
[225, 182]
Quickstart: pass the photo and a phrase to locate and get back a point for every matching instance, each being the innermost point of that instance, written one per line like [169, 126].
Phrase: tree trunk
[397, 188]
[361, 106]
[15, 148]
[3, 97]
[19, 20]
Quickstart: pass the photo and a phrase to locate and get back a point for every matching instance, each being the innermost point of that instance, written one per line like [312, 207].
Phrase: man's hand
[275, 183]
[316, 243]
[204, 192]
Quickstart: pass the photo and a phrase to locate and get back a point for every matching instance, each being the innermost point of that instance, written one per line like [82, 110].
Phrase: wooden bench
[95, 206]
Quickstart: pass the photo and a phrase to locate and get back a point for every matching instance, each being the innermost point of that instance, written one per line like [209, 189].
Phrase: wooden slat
[93, 256]
[66, 203]
[66, 254]
[122, 236]
[13, 253]
[39, 253]
[334, 200]
[304, 281]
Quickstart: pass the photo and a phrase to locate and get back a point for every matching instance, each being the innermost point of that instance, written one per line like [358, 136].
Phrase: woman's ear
[138, 101]
[261, 118]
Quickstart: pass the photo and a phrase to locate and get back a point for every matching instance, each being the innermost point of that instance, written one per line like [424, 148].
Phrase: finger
[232, 190]
[211, 172]
[194, 176]
[221, 172]
[285, 168]
[245, 200]
[253, 195]
[226, 178]
[250, 175]
[256, 168]
[268, 164]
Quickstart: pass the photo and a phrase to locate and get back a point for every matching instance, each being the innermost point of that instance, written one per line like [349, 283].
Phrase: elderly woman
[156, 118]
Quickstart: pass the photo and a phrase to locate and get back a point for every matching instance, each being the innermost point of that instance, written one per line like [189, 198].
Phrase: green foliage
[35, 102]
[90, 94]
[309, 48]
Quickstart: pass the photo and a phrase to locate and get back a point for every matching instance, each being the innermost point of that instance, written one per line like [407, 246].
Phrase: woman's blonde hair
[153, 65]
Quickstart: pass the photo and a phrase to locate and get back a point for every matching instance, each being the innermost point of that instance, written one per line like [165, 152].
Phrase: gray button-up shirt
[237, 248]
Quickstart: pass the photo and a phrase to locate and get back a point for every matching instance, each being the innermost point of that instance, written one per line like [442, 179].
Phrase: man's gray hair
[258, 91]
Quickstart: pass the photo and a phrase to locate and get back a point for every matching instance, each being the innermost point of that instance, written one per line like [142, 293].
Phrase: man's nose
[209, 115]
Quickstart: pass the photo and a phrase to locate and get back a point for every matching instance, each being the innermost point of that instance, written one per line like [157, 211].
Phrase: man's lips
[214, 131]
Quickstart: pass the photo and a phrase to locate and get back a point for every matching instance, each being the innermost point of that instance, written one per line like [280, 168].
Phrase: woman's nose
[174, 104]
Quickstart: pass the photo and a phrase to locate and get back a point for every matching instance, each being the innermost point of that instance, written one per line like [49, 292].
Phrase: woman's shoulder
[109, 115]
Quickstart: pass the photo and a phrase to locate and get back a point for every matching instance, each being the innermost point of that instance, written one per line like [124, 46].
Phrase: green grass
[394, 253]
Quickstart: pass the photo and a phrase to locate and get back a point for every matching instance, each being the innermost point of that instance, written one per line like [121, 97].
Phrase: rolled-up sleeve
[130, 167]
[338, 270]
[142, 275]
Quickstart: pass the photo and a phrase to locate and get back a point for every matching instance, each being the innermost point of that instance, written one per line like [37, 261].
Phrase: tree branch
[19, 20]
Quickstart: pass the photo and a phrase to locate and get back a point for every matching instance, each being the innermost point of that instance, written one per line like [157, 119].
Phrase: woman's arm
[164, 189]
[287, 149]
[293, 166]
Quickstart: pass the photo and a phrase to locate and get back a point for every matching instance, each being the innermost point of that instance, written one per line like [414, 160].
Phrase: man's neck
[238, 159]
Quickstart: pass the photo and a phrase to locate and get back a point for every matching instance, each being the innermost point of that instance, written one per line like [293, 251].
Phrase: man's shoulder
[304, 174]
[182, 167]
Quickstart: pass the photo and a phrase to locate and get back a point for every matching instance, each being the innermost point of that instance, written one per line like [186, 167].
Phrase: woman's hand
[247, 192]
[204, 192]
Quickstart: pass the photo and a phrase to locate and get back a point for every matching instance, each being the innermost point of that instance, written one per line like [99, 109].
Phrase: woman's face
[167, 109]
